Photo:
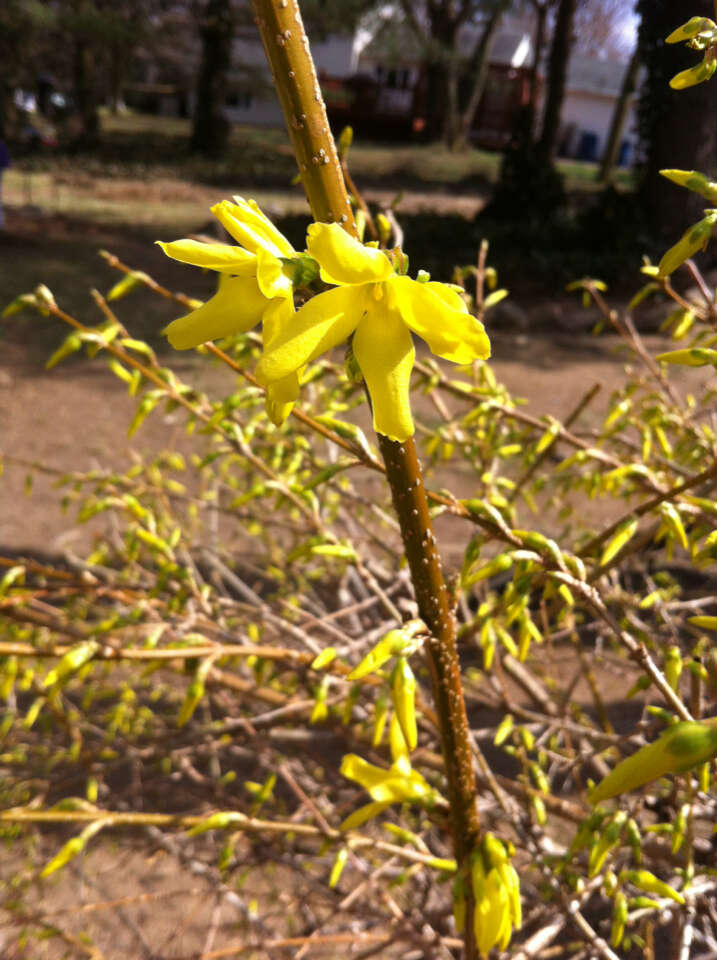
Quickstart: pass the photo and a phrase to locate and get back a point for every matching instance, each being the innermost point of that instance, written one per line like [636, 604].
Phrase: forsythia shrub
[248, 642]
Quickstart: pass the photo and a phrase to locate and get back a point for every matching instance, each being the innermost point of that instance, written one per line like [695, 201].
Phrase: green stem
[287, 50]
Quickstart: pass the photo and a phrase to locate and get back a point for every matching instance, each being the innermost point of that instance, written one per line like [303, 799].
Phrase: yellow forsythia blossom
[254, 286]
[378, 308]
[496, 889]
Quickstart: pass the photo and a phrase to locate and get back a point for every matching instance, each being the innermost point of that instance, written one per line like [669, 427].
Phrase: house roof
[590, 75]
[393, 42]
[390, 41]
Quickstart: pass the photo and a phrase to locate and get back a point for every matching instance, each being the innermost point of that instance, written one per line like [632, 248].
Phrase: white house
[593, 87]
[384, 49]
[337, 56]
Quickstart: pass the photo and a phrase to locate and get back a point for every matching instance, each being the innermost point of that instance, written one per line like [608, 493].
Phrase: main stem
[287, 50]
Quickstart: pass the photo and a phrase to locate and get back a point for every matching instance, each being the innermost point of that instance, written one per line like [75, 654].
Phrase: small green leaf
[127, 284]
[396, 643]
[338, 867]
[691, 29]
[217, 821]
[71, 344]
[493, 298]
[693, 180]
[694, 75]
[13, 575]
[673, 521]
[18, 304]
[691, 357]
[705, 623]
[624, 534]
[72, 848]
[323, 659]
[696, 238]
[71, 662]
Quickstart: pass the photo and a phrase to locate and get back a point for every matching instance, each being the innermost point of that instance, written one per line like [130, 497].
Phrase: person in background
[4, 164]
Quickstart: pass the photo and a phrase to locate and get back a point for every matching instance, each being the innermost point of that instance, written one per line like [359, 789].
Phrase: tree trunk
[479, 69]
[210, 131]
[442, 73]
[676, 126]
[557, 76]
[541, 24]
[116, 62]
[451, 111]
[619, 115]
[85, 94]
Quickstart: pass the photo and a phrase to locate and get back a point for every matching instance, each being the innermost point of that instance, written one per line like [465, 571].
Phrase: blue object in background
[588, 147]
[625, 156]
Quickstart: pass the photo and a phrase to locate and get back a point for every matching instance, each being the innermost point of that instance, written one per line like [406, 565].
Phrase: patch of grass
[162, 208]
[149, 146]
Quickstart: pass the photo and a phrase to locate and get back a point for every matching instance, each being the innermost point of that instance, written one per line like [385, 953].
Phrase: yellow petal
[384, 351]
[280, 395]
[360, 816]
[278, 314]
[490, 913]
[319, 325]
[244, 221]
[343, 259]
[431, 310]
[448, 294]
[224, 257]
[270, 276]
[277, 410]
[280, 398]
[235, 308]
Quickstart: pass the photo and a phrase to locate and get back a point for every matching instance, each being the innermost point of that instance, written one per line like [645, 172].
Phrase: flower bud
[403, 694]
[496, 889]
[644, 880]
[619, 918]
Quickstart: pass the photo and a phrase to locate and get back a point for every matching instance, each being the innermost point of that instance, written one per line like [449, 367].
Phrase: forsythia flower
[399, 784]
[253, 287]
[380, 309]
[496, 889]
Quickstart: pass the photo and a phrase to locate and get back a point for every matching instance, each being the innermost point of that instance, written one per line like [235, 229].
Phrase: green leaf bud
[644, 880]
[338, 867]
[680, 748]
[619, 919]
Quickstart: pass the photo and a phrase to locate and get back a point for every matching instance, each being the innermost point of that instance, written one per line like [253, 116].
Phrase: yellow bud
[403, 694]
[609, 883]
[478, 873]
[459, 905]
[673, 666]
[496, 889]
[384, 227]
[324, 658]
[619, 918]
[380, 714]
[644, 880]
[338, 867]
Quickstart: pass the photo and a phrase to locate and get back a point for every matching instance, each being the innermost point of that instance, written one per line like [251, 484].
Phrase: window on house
[240, 99]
